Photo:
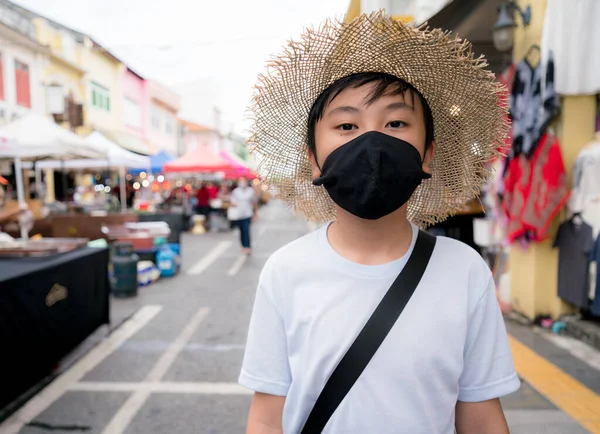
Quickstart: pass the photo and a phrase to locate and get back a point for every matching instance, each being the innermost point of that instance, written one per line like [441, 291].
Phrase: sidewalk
[171, 365]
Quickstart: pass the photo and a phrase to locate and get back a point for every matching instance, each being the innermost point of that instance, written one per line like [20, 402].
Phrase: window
[22, 82]
[68, 46]
[1, 78]
[100, 97]
[133, 113]
[155, 119]
[168, 127]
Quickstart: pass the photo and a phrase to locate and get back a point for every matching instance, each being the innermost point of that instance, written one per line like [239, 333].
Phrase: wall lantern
[503, 29]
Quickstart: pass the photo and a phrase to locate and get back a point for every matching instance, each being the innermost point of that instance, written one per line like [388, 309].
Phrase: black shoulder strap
[371, 336]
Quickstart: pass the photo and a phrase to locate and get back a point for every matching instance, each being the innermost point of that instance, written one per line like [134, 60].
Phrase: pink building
[196, 136]
[161, 126]
[135, 104]
[150, 113]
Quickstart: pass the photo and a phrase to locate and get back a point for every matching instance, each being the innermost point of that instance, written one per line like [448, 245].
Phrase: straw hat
[469, 120]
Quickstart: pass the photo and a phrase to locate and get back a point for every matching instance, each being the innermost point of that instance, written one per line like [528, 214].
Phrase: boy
[345, 125]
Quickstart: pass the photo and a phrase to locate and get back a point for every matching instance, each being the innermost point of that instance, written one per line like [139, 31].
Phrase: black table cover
[48, 306]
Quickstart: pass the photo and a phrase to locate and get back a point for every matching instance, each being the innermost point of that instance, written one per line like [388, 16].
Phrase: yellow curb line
[568, 394]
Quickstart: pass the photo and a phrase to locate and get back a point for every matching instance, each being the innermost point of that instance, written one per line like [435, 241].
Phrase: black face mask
[372, 175]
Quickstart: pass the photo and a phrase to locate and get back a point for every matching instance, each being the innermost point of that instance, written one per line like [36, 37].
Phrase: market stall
[53, 293]
[200, 160]
[35, 137]
[48, 305]
[116, 158]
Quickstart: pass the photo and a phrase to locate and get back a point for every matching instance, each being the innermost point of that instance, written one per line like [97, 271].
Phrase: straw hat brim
[470, 121]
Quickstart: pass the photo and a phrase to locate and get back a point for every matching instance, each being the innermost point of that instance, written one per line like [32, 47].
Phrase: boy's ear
[316, 172]
[428, 157]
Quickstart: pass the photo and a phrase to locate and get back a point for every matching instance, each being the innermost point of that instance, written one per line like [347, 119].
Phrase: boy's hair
[385, 84]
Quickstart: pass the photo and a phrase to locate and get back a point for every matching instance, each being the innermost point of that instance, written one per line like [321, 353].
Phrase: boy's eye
[346, 127]
[396, 124]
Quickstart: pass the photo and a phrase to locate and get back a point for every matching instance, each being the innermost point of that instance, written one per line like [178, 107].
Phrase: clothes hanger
[577, 218]
[534, 48]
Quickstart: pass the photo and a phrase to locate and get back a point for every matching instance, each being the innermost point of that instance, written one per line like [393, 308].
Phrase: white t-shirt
[243, 198]
[449, 344]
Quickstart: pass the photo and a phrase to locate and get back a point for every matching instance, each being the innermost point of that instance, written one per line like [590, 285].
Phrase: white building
[22, 60]
[163, 126]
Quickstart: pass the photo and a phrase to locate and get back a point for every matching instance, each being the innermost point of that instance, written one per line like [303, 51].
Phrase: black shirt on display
[575, 241]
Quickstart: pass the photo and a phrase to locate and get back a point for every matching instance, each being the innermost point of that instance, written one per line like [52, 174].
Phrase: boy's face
[349, 115]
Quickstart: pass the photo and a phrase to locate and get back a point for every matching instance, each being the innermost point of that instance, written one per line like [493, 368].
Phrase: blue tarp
[156, 163]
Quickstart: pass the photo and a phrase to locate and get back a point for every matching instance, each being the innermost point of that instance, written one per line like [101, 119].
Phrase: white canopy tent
[35, 136]
[116, 157]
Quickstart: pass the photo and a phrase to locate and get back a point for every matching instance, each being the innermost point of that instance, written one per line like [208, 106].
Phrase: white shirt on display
[450, 342]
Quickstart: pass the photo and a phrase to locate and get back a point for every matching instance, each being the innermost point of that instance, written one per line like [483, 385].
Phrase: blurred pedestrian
[203, 200]
[243, 211]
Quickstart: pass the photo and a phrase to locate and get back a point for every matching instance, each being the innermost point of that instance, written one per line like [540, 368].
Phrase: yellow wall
[534, 272]
[353, 10]
[106, 72]
[59, 70]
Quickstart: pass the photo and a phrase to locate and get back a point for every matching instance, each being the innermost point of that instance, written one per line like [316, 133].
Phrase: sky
[210, 52]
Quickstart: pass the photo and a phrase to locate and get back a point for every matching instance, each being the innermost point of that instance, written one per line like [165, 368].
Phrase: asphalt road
[171, 363]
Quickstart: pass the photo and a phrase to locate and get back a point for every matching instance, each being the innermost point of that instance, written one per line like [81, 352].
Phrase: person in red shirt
[203, 197]
[213, 191]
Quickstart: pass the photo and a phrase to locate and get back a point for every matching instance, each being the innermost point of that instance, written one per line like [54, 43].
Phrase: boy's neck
[371, 242]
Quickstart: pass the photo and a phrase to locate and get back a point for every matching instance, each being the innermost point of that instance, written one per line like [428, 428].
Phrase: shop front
[537, 222]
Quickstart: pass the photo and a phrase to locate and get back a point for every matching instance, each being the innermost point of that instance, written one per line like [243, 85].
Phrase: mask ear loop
[317, 162]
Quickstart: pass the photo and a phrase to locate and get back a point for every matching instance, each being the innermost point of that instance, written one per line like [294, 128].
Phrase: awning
[129, 142]
[116, 157]
[241, 167]
[156, 163]
[198, 161]
[34, 136]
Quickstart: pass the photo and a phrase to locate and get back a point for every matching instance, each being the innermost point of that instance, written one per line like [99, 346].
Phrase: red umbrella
[199, 160]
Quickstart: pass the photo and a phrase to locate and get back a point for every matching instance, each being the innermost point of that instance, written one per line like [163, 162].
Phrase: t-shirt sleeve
[266, 368]
[488, 369]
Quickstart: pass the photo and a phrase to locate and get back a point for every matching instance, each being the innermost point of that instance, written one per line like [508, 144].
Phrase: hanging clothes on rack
[575, 52]
[585, 200]
[534, 104]
[575, 242]
[536, 189]
[585, 197]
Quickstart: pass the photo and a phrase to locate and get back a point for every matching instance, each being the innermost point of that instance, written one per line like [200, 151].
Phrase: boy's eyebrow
[344, 109]
[399, 105]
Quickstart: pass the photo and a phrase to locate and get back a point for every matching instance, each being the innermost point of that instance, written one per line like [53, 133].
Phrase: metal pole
[20, 193]
[38, 182]
[123, 188]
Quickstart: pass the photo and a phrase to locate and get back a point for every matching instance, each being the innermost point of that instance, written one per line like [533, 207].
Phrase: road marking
[121, 420]
[568, 394]
[208, 259]
[576, 348]
[237, 265]
[87, 363]
[166, 360]
[190, 388]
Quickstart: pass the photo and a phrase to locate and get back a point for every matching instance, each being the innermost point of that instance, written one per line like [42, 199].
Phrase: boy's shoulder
[453, 249]
[459, 261]
[296, 252]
